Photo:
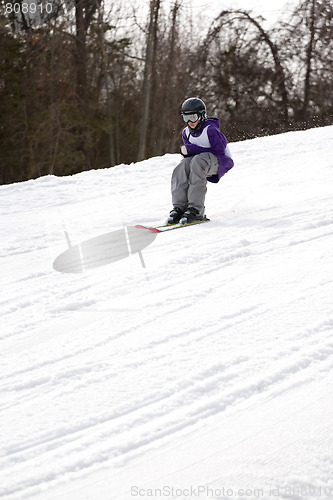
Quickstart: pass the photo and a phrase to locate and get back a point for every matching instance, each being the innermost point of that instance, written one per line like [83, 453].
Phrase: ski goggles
[190, 117]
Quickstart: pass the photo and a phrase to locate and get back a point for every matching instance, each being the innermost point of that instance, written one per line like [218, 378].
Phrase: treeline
[88, 86]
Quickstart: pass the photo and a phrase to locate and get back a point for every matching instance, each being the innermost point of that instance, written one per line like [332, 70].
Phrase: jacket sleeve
[217, 140]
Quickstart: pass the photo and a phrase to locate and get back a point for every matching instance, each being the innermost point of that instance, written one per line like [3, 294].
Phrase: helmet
[194, 105]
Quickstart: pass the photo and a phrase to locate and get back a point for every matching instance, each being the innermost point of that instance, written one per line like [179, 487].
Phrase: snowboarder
[206, 157]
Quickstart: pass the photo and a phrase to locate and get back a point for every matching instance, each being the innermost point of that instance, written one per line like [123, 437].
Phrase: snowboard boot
[175, 215]
[191, 215]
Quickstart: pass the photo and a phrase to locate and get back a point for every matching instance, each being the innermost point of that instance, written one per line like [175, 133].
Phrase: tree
[242, 67]
[307, 43]
[173, 79]
[44, 127]
[148, 75]
[73, 88]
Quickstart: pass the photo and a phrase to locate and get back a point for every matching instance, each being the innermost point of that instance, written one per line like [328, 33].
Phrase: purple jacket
[209, 139]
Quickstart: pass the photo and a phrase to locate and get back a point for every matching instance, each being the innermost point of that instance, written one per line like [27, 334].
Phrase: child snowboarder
[206, 157]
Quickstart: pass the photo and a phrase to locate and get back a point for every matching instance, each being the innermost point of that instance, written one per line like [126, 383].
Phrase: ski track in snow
[123, 373]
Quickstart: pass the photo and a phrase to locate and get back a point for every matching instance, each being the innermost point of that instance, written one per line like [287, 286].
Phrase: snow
[195, 364]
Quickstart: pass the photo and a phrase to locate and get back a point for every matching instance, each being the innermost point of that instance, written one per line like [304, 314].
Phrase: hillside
[201, 367]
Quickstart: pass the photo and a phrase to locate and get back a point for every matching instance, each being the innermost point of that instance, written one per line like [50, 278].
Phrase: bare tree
[148, 76]
[309, 55]
[230, 18]
[169, 85]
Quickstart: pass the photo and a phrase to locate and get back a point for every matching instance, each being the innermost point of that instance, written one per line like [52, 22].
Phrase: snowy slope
[208, 373]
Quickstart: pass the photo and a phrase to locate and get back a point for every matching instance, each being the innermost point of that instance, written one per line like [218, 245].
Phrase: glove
[183, 150]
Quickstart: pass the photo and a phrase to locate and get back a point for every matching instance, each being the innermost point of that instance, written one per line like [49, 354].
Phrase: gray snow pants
[189, 181]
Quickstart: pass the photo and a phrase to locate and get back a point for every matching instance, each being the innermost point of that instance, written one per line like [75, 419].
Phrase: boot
[175, 215]
[191, 215]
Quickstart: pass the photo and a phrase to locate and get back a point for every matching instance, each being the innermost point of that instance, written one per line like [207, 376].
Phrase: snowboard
[170, 227]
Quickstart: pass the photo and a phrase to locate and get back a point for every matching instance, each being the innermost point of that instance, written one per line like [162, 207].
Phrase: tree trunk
[105, 79]
[167, 89]
[80, 54]
[148, 75]
[309, 51]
